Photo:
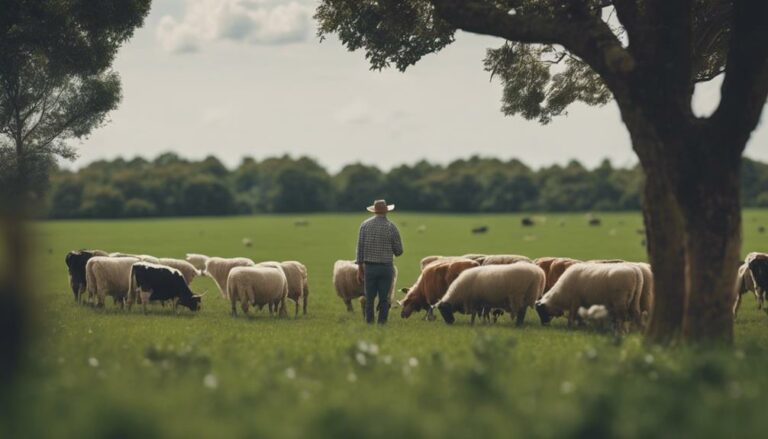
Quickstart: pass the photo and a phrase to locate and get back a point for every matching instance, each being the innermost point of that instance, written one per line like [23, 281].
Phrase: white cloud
[251, 21]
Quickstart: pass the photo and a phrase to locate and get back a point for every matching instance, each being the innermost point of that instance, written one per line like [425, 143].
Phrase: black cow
[479, 230]
[759, 268]
[76, 261]
[158, 282]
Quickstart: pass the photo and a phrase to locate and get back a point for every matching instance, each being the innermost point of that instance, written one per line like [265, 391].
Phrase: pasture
[112, 373]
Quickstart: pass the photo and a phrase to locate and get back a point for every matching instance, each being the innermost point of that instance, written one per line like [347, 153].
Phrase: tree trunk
[712, 209]
[665, 235]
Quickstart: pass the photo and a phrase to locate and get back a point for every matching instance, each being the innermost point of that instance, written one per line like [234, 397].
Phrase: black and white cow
[158, 282]
[76, 261]
[758, 265]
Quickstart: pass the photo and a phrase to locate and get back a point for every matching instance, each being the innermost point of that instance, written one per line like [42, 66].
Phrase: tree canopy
[55, 79]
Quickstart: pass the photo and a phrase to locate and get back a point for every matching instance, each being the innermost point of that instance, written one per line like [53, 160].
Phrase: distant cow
[758, 265]
[159, 282]
[76, 261]
[480, 230]
[595, 221]
[526, 222]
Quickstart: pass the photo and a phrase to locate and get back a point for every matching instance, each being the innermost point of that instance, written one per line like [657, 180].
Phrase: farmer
[377, 243]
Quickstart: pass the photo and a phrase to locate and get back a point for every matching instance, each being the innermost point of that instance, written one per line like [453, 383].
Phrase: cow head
[193, 302]
[446, 310]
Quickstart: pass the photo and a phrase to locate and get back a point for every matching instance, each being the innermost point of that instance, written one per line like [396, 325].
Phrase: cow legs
[305, 298]
[296, 314]
[243, 306]
[144, 300]
[348, 303]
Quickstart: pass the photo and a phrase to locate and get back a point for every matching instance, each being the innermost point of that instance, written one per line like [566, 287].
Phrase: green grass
[108, 373]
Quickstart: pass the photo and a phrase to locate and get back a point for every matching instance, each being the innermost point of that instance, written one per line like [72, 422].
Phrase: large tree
[55, 84]
[648, 55]
[55, 79]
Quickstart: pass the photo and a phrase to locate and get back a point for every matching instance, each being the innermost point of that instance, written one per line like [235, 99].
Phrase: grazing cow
[108, 276]
[159, 282]
[526, 222]
[595, 222]
[480, 230]
[76, 261]
[758, 265]
[557, 267]
[432, 284]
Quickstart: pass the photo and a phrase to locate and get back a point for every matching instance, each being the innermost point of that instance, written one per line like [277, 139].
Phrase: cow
[432, 284]
[758, 265]
[159, 282]
[76, 261]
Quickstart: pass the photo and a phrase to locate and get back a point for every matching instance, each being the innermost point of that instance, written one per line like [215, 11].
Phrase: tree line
[170, 185]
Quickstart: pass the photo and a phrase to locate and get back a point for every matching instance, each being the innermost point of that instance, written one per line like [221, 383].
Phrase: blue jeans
[378, 282]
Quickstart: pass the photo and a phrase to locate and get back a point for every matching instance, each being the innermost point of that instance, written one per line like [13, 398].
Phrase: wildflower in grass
[93, 362]
[413, 362]
[210, 381]
[387, 359]
[648, 359]
[351, 377]
[290, 373]
[590, 353]
[566, 387]
[360, 358]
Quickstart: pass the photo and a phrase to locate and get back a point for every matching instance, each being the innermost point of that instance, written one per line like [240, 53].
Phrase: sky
[237, 78]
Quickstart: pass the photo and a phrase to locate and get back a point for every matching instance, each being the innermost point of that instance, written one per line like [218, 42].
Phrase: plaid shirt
[378, 241]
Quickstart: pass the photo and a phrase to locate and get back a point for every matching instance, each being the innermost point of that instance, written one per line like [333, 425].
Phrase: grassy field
[110, 373]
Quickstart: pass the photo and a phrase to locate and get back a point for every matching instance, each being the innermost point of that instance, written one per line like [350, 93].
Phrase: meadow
[112, 373]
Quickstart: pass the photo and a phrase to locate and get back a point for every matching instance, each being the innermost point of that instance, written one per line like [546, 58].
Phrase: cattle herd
[482, 286]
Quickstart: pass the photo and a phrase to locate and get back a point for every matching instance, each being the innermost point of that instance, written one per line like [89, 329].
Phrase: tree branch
[745, 86]
[585, 35]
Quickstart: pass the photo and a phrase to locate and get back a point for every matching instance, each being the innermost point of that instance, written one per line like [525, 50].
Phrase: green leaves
[55, 78]
[530, 87]
[390, 31]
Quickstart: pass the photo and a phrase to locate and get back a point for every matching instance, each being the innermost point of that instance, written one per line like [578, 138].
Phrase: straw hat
[381, 206]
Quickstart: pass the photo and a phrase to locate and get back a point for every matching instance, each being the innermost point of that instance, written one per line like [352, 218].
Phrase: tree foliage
[55, 79]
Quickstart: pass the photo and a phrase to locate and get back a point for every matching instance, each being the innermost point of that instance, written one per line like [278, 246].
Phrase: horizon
[256, 81]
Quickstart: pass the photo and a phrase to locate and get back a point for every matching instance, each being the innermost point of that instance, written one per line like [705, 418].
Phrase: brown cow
[554, 268]
[432, 284]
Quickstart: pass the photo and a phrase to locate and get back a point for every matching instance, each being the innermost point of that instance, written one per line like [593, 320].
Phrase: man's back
[379, 240]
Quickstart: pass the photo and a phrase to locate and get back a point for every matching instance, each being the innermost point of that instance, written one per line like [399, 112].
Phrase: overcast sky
[237, 78]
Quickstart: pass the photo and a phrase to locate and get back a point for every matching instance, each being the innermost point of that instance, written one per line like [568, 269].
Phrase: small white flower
[387, 359]
[211, 381]
[351, 377]
[360, 357]
[413, 362]
[290, 373]
[566, 387]
[373, 349]
[362, 346]
[93, 362]
[648, 359]
[591, 353]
